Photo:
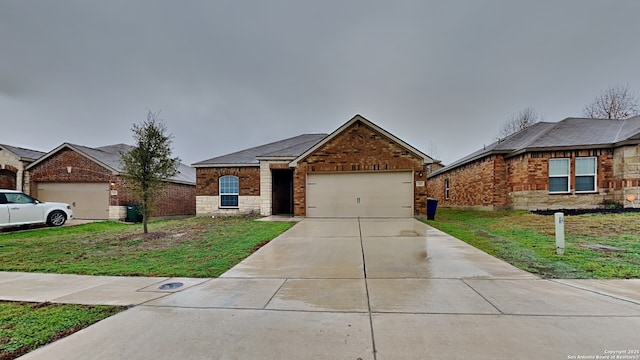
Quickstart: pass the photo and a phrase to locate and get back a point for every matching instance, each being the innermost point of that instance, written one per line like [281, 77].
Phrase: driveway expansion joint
[366, 284]
[482, 296]
[594, 291]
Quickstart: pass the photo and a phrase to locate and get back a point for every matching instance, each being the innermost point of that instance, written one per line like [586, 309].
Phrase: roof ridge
[315, 141]
[21, 148]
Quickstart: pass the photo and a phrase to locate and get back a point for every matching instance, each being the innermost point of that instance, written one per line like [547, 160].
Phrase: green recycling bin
[133, 213]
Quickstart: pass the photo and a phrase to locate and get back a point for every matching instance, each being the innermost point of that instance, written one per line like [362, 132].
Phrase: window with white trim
[229, 186]
[446, 189]
[586, 170]
[559, 175]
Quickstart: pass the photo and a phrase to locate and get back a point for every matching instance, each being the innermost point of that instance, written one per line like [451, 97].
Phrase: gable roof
[22, 153]
[425, 158]
[570, 133]
[283, 149]
[109, 158]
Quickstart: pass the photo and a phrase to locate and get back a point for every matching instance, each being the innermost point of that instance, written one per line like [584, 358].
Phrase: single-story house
[90, 180]
[574, 164]
[359, 170]
[13, 161]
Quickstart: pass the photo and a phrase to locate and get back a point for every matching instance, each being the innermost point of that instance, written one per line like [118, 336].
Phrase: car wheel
[56, 218]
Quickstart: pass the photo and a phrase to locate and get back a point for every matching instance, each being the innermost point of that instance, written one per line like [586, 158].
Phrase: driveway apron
[368, 289]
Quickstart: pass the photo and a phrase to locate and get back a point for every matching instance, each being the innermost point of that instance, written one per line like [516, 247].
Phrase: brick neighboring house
[358, 170]
[90, 180]
[13, 161]
[575, 163]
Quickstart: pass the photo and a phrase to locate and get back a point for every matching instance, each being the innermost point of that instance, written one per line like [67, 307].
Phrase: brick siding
[522, 181]
[176, 199]
[208, 180]
[55, 169]
[358, 148]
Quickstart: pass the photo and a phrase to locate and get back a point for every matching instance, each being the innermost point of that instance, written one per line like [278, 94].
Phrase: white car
[17, 208]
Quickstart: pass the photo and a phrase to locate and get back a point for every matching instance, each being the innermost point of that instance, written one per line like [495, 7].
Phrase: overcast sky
[228, 75]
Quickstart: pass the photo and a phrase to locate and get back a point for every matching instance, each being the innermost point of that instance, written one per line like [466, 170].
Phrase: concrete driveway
[369, 289]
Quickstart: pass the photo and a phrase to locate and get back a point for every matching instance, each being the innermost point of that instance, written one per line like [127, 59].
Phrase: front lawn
[193, 247]
[27, 326]
[528, 241]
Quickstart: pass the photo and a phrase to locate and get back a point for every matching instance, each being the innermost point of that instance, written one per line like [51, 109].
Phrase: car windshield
[19, 198]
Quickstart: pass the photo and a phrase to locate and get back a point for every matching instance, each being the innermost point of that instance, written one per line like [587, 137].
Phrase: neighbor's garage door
[380, 194]
[87, 200]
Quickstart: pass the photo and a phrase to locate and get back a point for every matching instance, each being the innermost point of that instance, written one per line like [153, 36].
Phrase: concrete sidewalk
[88, 290]
[358, 289]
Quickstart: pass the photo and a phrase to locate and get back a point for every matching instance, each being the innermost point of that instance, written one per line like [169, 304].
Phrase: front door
[282, 192]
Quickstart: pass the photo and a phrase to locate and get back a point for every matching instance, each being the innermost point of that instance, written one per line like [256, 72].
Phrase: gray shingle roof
[568, 133]
[24, 154]
[287, 148]
[110, 156]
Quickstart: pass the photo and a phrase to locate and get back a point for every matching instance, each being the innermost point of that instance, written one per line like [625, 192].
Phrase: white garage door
[380, 194]
[87, 200]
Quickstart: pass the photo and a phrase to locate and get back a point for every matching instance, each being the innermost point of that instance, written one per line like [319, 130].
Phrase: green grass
[27, 326]
[193, 247]
[527, 241]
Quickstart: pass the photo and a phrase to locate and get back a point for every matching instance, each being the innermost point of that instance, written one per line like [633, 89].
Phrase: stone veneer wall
[626, 170]
[266, 183]
[13, 171]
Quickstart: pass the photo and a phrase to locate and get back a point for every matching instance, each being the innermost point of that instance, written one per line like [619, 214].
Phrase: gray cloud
[230, 75]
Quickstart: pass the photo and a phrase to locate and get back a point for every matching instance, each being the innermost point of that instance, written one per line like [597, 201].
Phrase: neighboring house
[358, 170]
[90, 179]
[574, 163]
[13, 161]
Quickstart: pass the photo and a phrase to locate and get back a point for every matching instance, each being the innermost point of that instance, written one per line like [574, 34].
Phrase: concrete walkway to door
[369, 289]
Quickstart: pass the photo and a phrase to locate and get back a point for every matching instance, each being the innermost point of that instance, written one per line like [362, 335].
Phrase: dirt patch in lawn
[166, 239]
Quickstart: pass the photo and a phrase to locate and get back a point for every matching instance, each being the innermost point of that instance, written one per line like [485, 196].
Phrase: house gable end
[73, 148]
[360, 138]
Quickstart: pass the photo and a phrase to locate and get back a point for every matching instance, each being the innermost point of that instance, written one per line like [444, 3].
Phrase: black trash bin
[133, 213]
[432, 204]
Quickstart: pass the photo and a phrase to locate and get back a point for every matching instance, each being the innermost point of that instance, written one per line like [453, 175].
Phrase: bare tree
[433, 151]
[519, 121]
[149, 164]
[617, 102]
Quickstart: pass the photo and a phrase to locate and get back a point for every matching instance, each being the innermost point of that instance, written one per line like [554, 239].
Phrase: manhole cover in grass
[170, 286]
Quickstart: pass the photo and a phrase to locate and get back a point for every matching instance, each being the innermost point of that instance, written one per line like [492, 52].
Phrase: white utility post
[559, 233]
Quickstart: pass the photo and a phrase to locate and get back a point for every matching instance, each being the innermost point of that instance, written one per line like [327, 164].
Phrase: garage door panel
[87, 200]
[380, 194]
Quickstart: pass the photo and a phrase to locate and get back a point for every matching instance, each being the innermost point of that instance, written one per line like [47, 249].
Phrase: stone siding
[209, 206]
[12, 174]
[266, 184]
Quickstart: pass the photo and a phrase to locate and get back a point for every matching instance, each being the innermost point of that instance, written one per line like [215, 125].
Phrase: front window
[586, 174]
[229, 186]
[558, 175]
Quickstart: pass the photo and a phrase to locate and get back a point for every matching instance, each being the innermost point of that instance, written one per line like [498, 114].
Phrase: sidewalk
[347, 289]
[87, 290]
